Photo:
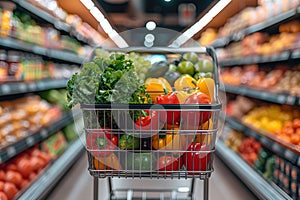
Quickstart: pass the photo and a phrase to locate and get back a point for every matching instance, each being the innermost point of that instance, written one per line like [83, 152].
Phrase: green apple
[191, 56]
[186, 67]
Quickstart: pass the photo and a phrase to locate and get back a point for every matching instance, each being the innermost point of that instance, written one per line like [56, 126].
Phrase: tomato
[13, 177]
[24, 183]
[1, 185]
[11, 166]
[3, 196]
[2, 175]
[44, 157]
[24, 167]
[10, 190]
[36, 164]
[32, 176]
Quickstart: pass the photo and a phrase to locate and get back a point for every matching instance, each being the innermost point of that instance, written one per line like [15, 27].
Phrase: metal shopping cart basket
[160, 149]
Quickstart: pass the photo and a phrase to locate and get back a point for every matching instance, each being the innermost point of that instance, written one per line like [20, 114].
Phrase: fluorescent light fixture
[112, 33]
[201, 23]
[183, 189]
[97, 14]
[151, 25]
[87, 3]
[167, 0]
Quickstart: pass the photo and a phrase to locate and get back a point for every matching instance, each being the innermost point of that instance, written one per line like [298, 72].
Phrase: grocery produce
[185, 82]
[186, 67]
[55, 145]
[207, 86]
[234, 140]
[193, 119]
[148, 120]
[173, 117]
[141, 161]
[129, 142]
[290, 132]
[249, 149]
[157, 69]
[17, 173]
[141, 65]
[170, 141]
[110, 162]
[101, 142]
[169, 164]
[190, 56]
[171, 77]
[196, 159]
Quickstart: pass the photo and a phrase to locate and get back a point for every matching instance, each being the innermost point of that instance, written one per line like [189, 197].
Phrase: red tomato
[3, 196]
[36, 164]
[2, 175]
[11, 166]
[24, 167]
[1, 185]
[13, 177]
[32, 176]
[10, 190]
[24, 183]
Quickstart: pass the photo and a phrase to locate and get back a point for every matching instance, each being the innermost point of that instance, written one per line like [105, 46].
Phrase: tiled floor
[78, 185]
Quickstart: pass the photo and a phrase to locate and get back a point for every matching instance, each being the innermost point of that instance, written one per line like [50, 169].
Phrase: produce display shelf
[57, 23]
[283, 149]
[51, 53]
[283, 56]
[256, 183]
[27, 87]
[52, 174]
[14, 149]
[272, 21]
[263, 95]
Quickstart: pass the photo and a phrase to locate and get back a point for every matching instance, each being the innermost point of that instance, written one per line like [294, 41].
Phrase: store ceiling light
[151, 25]
[167, 0]
[97, 14]
[89, 4]
[216, 9]
[106, 26]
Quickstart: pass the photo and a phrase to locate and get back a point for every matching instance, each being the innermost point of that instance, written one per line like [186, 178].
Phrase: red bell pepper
[169, 164]
[101, 142]
[195, 159]
[147, 121]
[173, 117]
[193, 119]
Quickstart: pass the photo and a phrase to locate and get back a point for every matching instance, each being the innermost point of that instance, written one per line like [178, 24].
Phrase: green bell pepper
[129, 142]
[141, 161]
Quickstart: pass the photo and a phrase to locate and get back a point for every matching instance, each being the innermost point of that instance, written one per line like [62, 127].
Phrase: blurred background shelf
[13, 149]
[263, 95]
[27, 87]
[256, 183]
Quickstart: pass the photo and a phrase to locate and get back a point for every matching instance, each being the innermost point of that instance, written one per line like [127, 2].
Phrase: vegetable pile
[154, 140]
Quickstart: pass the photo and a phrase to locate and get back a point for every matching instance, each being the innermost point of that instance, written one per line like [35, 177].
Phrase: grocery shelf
[272, 21]
[26, 87]
[57, 23]
[261, 187]
[14, 149]
[285, 150]
[262, 95]
[51, 53]
[283, 56]
[52, 174]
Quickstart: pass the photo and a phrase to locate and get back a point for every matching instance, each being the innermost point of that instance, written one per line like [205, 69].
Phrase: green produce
[171, 77]
[129, 142]
[191, 56]
[141, 65]
[157, 69]
[141, 161]
[270, 164]
[259, 165]
[186, 67]
[69, 132]
[172, 68]
[204, 66]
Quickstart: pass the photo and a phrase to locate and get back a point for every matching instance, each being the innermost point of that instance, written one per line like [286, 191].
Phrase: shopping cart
[169, 153]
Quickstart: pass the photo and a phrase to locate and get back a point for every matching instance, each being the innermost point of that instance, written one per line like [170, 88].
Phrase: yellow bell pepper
[156, 87]
[110, 162]
[203, 138]
[185, 82]
[207, 86]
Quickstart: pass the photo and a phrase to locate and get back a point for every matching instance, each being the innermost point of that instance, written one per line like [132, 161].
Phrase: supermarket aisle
[78, 185]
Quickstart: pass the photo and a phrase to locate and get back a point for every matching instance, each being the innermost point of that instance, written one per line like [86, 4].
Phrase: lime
[186, 67]
[204, 66]
[191, 56]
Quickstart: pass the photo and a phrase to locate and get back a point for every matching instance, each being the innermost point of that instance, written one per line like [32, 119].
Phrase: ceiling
[128, 14]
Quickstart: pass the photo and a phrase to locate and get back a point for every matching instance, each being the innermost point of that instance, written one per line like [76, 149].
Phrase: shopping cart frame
[216, 106]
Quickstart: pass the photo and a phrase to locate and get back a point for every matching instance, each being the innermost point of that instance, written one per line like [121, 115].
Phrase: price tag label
[11, 151]
[6, 89]
[44, 133]
[291, 100]
[265, 141]
[30, 141]
[276, 147]
[281, 99]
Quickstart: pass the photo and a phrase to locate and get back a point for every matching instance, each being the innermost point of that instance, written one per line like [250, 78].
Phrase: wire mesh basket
[153, 140]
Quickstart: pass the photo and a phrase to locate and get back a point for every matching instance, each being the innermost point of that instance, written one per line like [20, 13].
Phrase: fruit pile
[278, 80]
[18, 173]
[261, 44]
